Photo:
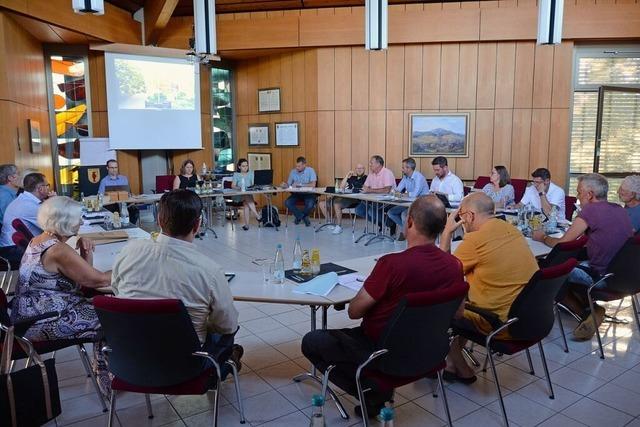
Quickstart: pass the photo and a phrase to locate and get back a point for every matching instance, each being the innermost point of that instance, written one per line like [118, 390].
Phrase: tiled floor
[588, 391]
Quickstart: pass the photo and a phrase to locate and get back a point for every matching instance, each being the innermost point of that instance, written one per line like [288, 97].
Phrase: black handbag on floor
[30, 396]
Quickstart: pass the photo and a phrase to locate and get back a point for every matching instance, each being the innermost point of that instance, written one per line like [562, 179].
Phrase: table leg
[379, 235]
[366, 224]
[209, 218]
[313, 374]
[329, 218]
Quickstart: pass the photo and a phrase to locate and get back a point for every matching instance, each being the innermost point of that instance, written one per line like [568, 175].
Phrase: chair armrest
[22, 325]
[489, 316]
[601, 280]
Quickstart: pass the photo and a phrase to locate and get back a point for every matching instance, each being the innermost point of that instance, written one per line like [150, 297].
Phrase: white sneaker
[337, 230]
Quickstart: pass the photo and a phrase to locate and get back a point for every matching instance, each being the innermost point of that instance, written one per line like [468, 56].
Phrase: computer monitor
[263, 177]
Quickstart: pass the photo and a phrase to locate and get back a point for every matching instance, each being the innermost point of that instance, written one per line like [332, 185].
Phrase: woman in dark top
[351, 183]
[187, 177]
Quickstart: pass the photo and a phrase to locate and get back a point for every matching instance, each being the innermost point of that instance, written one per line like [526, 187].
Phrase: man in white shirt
[544, 194]
[445, 181]
[171, 266]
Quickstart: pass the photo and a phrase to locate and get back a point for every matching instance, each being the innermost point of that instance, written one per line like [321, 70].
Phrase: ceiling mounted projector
[93, 7]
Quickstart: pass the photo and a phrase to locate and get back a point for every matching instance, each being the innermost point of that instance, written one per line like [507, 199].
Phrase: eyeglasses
[460, 213]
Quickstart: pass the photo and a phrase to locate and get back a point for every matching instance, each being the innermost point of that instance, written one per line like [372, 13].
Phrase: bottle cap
[279, 246]
[386, 414]
[317, 400]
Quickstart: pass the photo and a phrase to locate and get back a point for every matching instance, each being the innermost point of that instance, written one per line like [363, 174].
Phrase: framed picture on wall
[287, 134]
[259, 161]
[439, 134]
[269, 100]
[34, 135]
[259, 135]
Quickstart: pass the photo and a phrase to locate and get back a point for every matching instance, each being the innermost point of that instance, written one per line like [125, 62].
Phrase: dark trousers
[134, 212]
[373, 212]
[219, 347]
[13, 254]
[345, 348]
[309, 203]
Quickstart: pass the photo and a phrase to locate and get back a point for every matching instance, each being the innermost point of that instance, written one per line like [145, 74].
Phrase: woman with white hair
[629, 193]
[51, 277]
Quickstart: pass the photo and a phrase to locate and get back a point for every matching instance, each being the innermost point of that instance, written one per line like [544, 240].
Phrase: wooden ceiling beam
[116, 25]
[156, 17]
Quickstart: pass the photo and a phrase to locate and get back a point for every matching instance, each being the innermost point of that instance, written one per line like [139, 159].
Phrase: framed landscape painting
[439, 134]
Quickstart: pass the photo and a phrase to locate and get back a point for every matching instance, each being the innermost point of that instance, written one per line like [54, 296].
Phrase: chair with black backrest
[44, 347]
[519, 187]
[622, 280]
[154, 349]
[559, 254]
[405, 353]
[569, 207]
[481, 181]
[530, 319]
[234, 207]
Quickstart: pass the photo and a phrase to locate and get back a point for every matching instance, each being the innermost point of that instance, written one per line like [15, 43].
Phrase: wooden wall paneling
[435, 25]
[395, 80]
[359, 78]
[449, 73]
[342, 145]
[520, 138]
[487, 53]
[592, 22]
[359, 138]
[377, 80]
[326, 151]
[523, 84]
[468, 76]
[502, 125]
[562, 75]
[298, 85]
[431, 54]
[543, 77]
[342, 78]
[242, 90]
[483, 152]
[259, 33]
[311, 136]
[311, 80]
[326, 79]
[465, 165]
[539, 146]
[264, 72]
[129, 165]
[242, 130]
[559, 145]
[333, 30]
[286, 82]
[512, 23]
[505, 74]
[275, 71]
[395, 149]
[377, 134]
[252, 87]
[412, 76]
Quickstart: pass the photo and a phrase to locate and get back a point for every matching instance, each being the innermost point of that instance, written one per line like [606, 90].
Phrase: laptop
[116, 188]
[262, 178]
[444, 199]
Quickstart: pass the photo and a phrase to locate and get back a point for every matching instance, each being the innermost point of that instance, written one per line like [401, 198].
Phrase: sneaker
[307, 223]
[337, 230]
[296, 221]
[585, 330]
[236, 354]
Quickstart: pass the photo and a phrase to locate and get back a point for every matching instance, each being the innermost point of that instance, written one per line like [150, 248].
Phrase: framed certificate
[269, 100]
[259, 161]
[259, 135]
[287, 134]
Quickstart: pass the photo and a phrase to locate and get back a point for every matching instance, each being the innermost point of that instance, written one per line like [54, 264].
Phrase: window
[222, 114]
[613, 76]
[69, 108]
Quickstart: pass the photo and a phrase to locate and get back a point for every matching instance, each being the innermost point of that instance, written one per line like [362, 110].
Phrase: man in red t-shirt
[422, 267]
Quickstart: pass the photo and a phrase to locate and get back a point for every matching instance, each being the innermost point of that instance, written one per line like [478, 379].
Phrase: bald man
[353, 181]
[497, 262]
[422, 267]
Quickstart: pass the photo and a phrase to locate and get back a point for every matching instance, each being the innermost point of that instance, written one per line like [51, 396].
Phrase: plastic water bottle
[553, 219]
[297, 256]
[124, 213]
[386, 417]
[317, 417]
[278, 268]
[204, 168]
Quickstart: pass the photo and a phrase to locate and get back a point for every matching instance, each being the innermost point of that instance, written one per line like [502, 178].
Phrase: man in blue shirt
[113, 179]
[301, 176]
[25, 208]
[9, 185]
[415, 185]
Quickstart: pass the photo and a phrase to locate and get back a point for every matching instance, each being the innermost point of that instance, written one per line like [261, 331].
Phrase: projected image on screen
[148, 85]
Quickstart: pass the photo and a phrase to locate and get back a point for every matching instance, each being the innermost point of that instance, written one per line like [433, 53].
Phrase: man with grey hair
[413, 184]
[629, 193]
[9, 185]
[608, 227]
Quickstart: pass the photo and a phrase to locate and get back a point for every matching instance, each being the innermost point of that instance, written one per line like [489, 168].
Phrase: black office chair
[622, 280]
[154, 349]
[406, 353]
[530, 319]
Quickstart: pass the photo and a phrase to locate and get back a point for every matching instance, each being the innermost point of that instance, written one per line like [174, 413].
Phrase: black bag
[275, 218]
[30, 396]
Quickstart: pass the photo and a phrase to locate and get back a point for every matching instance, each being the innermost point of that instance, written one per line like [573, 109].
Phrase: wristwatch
[541, 193]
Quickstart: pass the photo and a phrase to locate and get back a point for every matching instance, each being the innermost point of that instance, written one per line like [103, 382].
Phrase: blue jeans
[309, 204]
[398, 214]
[219, 347]
[580, 276]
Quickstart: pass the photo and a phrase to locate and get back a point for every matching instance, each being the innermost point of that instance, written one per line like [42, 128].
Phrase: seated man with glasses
[497, 263]
[544, 194]
[114, 179]
[25, 208]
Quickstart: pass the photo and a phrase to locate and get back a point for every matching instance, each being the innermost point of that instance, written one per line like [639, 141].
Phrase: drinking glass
[315, 261]
[268, 269]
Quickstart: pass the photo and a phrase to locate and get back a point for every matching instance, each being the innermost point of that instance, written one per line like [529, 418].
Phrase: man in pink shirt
[379, 180]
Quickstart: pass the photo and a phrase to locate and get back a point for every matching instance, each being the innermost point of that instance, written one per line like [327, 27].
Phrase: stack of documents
[352, 281]
[321, 285]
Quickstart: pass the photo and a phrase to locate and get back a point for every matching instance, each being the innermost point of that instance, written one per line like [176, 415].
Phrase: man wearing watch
[544, 194]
